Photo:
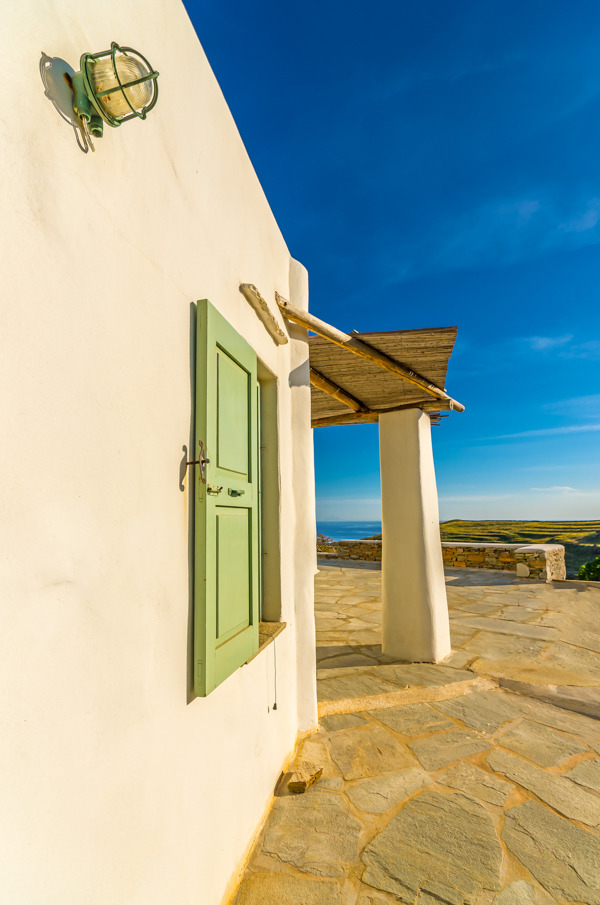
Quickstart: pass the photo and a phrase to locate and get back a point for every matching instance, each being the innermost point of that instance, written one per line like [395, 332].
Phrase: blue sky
[432, 164]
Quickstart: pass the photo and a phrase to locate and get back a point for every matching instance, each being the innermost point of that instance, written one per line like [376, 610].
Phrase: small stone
[519, 893]
[477, 783]
[539, 744]
[275, 889]
[412, 719]
[360, 753]
[314, 832]
[379, 794]
[562, 857]
[440, 750]
[303, 776]
[417, 849]
[587, 774]
[561, 794]
[337, 721]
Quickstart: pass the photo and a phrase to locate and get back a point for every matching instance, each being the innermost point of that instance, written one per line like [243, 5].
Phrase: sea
[348, 530]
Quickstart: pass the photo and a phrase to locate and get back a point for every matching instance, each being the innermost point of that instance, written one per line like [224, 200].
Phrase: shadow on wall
[300, 375]
[54, 72]
[191, 484]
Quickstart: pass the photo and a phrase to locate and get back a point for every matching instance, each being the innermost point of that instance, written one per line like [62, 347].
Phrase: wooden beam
[350, 418]
[332, 389]
[268, 319]
[367, 416]
[358, 347]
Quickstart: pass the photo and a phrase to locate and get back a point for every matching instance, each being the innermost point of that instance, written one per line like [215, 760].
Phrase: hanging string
[275, 673]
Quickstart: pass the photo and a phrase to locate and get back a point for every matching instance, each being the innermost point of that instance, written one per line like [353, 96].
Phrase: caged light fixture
[113, 86]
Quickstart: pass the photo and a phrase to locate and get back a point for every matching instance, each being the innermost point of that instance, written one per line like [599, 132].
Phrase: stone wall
[369, 550]
[541, 562]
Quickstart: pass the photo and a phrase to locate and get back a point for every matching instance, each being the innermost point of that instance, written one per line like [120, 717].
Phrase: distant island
[581, 540]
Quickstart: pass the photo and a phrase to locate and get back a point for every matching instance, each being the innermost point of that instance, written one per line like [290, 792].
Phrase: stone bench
[542, 562]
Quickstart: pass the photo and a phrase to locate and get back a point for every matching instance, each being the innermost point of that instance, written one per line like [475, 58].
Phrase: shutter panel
[226, 536]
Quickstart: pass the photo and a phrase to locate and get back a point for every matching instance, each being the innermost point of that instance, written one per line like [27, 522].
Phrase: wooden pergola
[374, 373]
[356, 377]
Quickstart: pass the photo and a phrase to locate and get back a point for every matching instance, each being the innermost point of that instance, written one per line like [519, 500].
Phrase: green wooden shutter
[226, 562]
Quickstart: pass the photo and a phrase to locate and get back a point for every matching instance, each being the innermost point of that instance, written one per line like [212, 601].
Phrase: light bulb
[129, 70]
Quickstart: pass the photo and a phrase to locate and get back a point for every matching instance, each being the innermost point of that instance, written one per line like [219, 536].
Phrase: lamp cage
[120, 83]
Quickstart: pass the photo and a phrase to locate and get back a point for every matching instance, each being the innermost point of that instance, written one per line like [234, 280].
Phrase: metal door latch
[212, 488]
[236, 492]
[202, 461]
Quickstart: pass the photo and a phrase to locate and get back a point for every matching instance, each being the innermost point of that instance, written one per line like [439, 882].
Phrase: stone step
[410, 695]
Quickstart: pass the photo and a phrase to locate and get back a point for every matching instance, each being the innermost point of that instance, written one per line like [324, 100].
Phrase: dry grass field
[581, 540]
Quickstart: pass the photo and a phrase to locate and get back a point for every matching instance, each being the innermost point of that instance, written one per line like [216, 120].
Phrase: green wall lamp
[113, 87]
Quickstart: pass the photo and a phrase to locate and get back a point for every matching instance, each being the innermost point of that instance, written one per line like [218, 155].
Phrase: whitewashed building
[123, 779]
[157, 530]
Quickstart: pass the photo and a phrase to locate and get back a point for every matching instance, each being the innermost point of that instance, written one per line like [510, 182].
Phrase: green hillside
[521, 532]
[581, 540]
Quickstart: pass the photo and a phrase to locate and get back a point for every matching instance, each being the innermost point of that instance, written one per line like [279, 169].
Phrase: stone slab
[541, 745]
[556, 717]
[379, 794]
[314, 832]
[275, 889]
[427, 675]
[484, 711]
[376, 898]
[562, 857]
[519, 893]
[506, 627]
[477, 783]
[416, 849]
[337, 721]
[439, 751]
[561, 794]
[333, 783]
[584, 700]
[413, 719]
[562, 664]
[353, 685]
[360, 753]
[586, 774]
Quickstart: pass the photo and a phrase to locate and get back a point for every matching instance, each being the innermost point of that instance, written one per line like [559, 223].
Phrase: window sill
[267, 632]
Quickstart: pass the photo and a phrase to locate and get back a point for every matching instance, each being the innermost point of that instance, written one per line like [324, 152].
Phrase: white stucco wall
[115, 788]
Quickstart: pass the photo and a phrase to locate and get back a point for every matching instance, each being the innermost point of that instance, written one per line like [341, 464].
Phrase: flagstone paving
[440, 787]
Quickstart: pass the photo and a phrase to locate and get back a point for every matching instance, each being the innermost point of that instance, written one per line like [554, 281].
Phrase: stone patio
[461, 782]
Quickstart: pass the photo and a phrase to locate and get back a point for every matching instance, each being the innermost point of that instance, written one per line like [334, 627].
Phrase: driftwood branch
[252, 295]
[364, 350]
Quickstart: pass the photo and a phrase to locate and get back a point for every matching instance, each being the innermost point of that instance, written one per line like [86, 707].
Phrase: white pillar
[415, 609]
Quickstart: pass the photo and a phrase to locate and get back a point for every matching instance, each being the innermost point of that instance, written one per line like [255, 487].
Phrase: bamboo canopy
[356, 377]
